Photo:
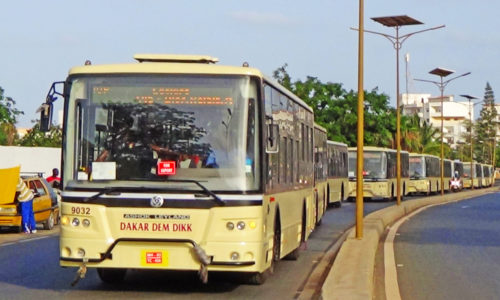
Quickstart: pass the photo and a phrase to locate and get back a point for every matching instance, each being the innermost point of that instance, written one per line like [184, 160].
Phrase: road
[30, 270]
[451, 251]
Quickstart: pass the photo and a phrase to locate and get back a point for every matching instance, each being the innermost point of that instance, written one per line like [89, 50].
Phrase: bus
[177, 163]
[379, 173]
[486, 180]
[425, 173]
[475, 175]
[320, 171]
[447, 173]
[338, 180]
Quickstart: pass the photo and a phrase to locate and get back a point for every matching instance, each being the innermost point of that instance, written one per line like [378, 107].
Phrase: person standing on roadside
[25, 198]
[54, 180]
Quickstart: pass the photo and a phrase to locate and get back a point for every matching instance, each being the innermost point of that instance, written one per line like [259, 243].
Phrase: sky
[41, 40]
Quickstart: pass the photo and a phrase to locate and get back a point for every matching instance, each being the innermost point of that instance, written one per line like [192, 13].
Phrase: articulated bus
[338, 179]
[425, 173]
[177, 163]
[379, 173]
[320, 171]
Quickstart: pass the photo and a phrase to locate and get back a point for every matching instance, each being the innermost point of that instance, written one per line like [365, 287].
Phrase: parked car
[45, 206]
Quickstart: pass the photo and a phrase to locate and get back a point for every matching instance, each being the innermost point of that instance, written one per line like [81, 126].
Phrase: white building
[429, 109]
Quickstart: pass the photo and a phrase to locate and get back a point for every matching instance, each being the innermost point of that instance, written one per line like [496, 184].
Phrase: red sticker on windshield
[166, 167]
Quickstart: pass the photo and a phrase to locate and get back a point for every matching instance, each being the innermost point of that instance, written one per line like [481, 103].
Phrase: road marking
[24, 240]
[391, 275]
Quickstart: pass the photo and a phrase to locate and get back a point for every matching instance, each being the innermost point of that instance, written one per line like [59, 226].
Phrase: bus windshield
[417, 169]
[374, 164]
[140, 130]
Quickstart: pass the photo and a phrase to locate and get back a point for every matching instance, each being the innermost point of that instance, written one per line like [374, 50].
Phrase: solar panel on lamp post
[397, 41]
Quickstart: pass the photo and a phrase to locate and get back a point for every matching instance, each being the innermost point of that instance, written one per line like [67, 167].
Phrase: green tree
[336, 110]
[37, 138]
[8, 119]
[485, 128]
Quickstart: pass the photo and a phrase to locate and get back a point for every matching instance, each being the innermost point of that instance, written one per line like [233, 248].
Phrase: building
[429, 109]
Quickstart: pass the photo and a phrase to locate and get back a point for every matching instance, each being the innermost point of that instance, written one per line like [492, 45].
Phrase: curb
[351, 276]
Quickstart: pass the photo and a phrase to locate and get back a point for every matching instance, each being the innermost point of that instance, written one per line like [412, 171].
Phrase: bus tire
[318, 219]
[111, 275]
[49, 223]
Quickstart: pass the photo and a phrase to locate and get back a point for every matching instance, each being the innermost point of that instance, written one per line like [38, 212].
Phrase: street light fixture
[397, 41]
[441, 72]
[469, 97]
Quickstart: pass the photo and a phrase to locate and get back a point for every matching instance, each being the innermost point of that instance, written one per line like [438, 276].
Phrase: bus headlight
[86, 222]
[235, 256]
[75, 222]
[80, 252]
[240, 225]
[230, 225]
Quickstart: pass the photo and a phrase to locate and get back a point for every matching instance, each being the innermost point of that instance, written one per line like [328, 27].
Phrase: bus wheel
[49, 223]
[111, 276]
[318, 219]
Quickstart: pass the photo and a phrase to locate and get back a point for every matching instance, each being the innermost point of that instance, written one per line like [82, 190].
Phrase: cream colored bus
[320, 171]
[425, 174]
[177, 163]
[448, 173]
[338, 180]
[475, 174]
[379, 173]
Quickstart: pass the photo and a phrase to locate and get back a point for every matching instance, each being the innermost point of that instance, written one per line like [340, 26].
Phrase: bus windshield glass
[374, 164]
[417, 169]
[142, 130]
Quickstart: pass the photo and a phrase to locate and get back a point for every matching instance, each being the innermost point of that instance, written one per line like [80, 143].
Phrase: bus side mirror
[272, 138]
[45, 117]
[46, 109]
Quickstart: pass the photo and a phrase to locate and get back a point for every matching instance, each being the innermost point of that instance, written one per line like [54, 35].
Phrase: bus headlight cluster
[240, 225]
[65, 220]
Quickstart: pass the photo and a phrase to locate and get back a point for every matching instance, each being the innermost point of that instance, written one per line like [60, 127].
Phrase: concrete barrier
[351, 276]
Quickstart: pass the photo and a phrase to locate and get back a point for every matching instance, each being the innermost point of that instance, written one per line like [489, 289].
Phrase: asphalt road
[451, 251]
[30, 270]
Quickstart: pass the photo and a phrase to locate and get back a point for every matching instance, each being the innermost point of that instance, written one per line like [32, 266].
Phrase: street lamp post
[441, 85]
[469, 97]
[360, 133]
[397, 41]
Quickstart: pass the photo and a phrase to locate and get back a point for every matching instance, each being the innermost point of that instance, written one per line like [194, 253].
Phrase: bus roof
[319, 127]
[372, 148]
[180, 64]
[166, 64]
[422, 154]
[336, 143]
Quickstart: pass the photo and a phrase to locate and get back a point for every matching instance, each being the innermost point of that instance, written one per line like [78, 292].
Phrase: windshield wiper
[207, 191]
[114, 190]
[110, 190]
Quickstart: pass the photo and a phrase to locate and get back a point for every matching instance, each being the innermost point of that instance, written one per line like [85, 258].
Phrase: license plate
[154, 258]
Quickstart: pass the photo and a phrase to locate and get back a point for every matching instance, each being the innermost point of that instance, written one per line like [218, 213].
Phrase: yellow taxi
[45, 206]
